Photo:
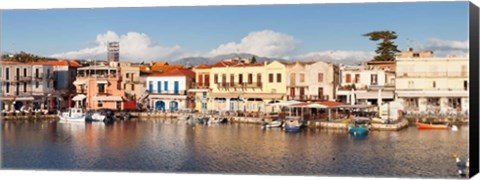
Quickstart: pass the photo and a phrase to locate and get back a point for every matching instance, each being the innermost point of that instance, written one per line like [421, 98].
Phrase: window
[18, 74]
[48, 73]
[279, 78]
[37, 84]
[348, 78]
[224, 78]
[101, 88]
[465, 85]
[434, 84]
[7, 85]
[259, 78]
[292, 78]
[133, 87]
[416, 54]
[357, 78]
[373, 79]
[240, 78]
[270, 78]
[215, 78]
[204, 94]
[36, 73]
[165, 84]
[207, 80]
[320, 77]
[302, 77]
[232, 79]
[127, 74]
[25, 87]
[7, 75]
[200, 79]
[250, 78]
[100, 104]
[24, 72]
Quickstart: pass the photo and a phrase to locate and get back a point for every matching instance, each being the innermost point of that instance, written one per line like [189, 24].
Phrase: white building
[169, 90]
[312, 81]
[366, 85]
[431, 84]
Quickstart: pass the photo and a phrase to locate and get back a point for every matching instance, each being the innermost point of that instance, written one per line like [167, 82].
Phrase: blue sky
[286, 31]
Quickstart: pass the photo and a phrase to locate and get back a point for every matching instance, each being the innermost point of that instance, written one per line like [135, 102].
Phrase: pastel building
[168, 91]
[99, 87]
[238, 86]
[427, 84]
[24, 84]
[312, 81]
[366, 84]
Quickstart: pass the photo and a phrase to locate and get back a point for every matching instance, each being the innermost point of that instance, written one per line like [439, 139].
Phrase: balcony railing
[308, 97]
[161, 92]
[432, 74]
[200, 85]
[81, 91]
[240, 85]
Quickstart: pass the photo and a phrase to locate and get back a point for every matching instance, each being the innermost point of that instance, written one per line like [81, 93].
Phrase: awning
[79, 97]
[102, 82]
[225, 95]
[79, 82]
[263, 96]
[374, 95]
[28, 98]
[107, 98]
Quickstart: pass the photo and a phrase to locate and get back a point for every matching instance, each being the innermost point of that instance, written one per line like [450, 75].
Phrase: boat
[217, 120]
[273, 124]
[184, 117]
[73, 115]
[94, 116]
[431, 126]
[292, 126]
[357, 129]
[194, 120]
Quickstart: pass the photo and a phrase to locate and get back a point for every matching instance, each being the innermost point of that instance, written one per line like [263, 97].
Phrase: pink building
[99, 87]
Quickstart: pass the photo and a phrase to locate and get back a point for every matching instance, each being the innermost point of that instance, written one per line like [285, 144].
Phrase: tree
[25, 57]
[253, 60]
[386, 49]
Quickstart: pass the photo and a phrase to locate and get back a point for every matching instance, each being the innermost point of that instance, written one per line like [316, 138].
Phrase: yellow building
[239, 87]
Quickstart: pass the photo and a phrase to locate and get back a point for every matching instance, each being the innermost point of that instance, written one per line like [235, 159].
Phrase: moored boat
[431, 126]
[73, 115]
[273, 124]
[292, 126]
[358, 129]
[216, 120]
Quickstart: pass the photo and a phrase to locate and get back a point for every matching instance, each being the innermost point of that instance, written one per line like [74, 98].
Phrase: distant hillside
[193, 61]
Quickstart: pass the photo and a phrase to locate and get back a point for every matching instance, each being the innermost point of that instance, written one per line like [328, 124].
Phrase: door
[174, 106]
[175, 87]
[320, 93]
[302, 93]
[159, 86]
[159, 106]
[292, 92]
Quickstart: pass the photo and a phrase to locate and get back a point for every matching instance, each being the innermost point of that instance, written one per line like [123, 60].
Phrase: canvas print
[361, 89]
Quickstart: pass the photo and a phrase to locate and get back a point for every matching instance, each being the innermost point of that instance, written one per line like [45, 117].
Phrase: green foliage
[386, 48]
[253, 60]
[24, 57]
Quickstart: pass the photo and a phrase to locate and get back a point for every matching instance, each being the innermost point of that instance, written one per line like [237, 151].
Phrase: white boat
[216, 120]
[274, 124]
[95, 116]
[73, 115]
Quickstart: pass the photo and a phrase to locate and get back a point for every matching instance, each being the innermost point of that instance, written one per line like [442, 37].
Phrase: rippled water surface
[168, 146]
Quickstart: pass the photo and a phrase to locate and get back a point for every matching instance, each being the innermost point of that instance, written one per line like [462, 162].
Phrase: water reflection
[171, 146]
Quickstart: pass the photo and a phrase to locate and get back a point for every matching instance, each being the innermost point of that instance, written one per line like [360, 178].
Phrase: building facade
[312, 81]
[432, 84]
[99, 87]
[168, 91]
[366, 84]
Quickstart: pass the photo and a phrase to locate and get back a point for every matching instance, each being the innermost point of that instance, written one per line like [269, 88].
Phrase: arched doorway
[159, 106]
[173, 105]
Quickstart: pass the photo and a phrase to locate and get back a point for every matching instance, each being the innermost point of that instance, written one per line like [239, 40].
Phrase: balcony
[308, 98]
[180, 92]
[39, 77]
[200, 85]
[25, 78]
[239, 85]
[81, 91]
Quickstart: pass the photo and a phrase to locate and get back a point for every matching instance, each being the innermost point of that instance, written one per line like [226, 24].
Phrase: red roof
[218, 64]
[71, 63]
[248, 65]
[10, 62]
[176, 72]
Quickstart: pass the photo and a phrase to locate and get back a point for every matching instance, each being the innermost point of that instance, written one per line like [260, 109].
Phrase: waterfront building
[28, 85]
[201, 88]
[65, 72]
[133, 82]
[366, 84]
[99, 86]
[312, 81]
[429, 84]
[235, 86]
[168, 91]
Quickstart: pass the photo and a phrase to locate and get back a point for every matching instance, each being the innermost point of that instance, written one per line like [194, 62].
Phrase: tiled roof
[71, 63]
[159, 67]
[176, 72]
[248, 65]
[10, 62]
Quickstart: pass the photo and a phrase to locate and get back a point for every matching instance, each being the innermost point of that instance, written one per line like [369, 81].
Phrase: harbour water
[171, 146]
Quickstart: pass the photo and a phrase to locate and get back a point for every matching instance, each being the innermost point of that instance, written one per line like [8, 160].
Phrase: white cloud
[134, 47]
[444, 47]
[345, 57]
[261, 43]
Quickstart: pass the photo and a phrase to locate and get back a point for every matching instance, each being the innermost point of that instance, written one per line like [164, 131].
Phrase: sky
[331, 32]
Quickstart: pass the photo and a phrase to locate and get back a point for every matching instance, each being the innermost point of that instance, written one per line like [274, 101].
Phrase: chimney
[410, 49]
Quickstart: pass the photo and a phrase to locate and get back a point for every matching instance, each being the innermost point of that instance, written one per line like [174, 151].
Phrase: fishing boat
[73, 115]
[273, 124]
[292, 126]
[431, 126]
[358, 129]
[217, 120]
